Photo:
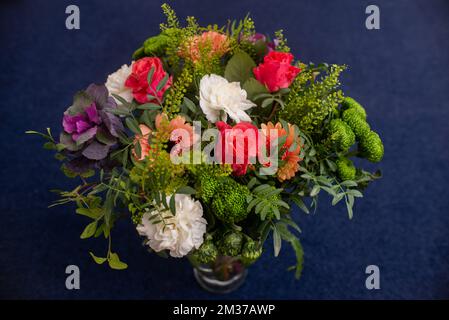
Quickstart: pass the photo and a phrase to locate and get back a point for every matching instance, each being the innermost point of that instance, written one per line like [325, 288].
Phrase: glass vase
[224, 275]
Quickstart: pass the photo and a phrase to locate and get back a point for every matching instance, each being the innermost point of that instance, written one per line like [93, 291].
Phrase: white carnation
[184, 231]
[116, 83]
[220, 98]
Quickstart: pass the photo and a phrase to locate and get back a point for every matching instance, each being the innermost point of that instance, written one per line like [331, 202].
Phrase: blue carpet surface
[399, 73]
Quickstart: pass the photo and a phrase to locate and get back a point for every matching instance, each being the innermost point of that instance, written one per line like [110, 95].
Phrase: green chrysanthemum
[345, 169]
[356, 122]
[371, 147]
[156, 46]
[251, 251]
[350, 103]
[229, 201]
[231, 244]
[209, 178]
[341, 135]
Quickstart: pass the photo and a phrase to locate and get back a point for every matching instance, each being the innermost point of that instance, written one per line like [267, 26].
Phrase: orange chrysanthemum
[291, 158]
[211, 43]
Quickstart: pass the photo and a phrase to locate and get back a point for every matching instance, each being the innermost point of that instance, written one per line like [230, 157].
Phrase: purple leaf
[99, 93]
[80, 164]
[96, 151]
[81, 101]
[66, 139]
[85, 136]
[105, 137]
[113, 123]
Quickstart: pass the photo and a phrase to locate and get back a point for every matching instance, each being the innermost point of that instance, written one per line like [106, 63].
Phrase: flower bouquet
[206, 140]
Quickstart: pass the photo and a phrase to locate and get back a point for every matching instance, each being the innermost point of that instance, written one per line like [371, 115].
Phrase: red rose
[276, 71]
[237, 145]
[138, 79]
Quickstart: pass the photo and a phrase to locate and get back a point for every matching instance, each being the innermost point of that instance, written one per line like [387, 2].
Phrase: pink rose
[138, 79]
[276, 71]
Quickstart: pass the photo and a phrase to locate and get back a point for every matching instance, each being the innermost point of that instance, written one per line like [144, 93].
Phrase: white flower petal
[116, 83]
[185, 232]
[218, 95]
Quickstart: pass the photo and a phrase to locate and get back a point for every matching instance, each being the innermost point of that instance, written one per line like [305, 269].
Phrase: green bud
[206, 253]
[356, 122]
[341, 135]
[231, 244]
[345, 169]
[349, 103]
[251, 251]
[371, 147]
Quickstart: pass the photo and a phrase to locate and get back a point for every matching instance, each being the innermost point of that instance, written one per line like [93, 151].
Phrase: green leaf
[331, 165]
[149, 106]
[98, 260]
[88, 173]
[277, 241]
[315, 190]
[239, 68]
[186, 190]
[68, 173]
[337, 198]
[349, 205]
[89, 231]
[172, 204]
[133, 125]
[298, 201]
[267, 102]
[190, 105]
[299, 252]
[93, 213]
[349, 183]
[150, 75]
[162, 83]
[121, 99]
[115, 263]
[146, 118]
[254, 88]
[49, 145]
[355, 193]
[138, 149]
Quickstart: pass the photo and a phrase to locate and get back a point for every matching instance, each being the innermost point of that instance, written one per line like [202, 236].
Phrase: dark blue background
[399, 73]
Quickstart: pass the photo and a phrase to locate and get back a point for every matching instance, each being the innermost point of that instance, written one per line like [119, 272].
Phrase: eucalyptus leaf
[89, 231]
[239, 68]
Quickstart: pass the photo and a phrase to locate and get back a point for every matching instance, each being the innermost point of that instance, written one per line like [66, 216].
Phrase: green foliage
[311, 101]
[172, 19]
[266, 201]
[345, 169]
[239, 68]
[341, 137]
[282, 41]
[174, 97]
[371, 147]
[157, 173]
